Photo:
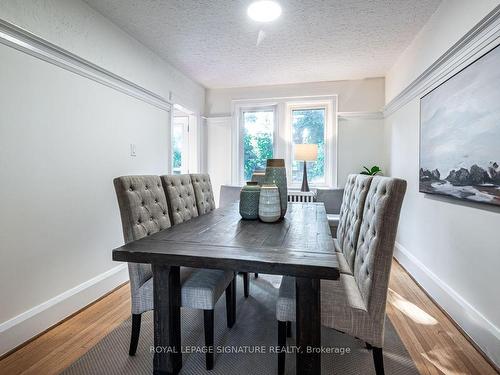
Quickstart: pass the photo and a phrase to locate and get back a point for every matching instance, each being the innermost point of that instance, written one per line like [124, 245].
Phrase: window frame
[328, 132]
[282, 135]
[238, 161]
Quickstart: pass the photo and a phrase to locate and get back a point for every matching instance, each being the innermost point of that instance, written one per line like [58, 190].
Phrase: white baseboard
[30, 323]
[484, 333]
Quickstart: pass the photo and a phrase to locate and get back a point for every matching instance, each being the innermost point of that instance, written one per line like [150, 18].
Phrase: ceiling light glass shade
[264, 11]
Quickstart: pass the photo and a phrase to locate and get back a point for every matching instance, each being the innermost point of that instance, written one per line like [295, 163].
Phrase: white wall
[63, 138]
[219, 152]
[451, 248]
[447, 25]
[366, 95]
[76, 27]
[356, 130]
[360, 143]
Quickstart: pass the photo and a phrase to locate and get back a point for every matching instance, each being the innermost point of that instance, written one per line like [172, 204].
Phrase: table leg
[167, 319]
[308, 314]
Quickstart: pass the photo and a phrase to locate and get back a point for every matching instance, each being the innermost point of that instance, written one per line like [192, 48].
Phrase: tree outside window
[308, 126]
[258, 128]
[177, 140]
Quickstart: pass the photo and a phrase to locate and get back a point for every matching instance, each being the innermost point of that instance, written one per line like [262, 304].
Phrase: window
[258, 140]
[180, 145]
[270, 128]
[308, 126]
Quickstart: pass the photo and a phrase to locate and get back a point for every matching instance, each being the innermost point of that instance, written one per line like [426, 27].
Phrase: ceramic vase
[259, 176]
[249, 201]
[276, 174]
[269, 203]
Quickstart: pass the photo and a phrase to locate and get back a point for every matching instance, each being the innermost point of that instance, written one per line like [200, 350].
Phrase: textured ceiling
[215, 43]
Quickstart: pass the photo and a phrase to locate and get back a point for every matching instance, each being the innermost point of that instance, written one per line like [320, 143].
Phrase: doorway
[184, 141]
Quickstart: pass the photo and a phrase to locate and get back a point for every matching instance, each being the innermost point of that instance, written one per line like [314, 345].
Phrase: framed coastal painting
[460, 134]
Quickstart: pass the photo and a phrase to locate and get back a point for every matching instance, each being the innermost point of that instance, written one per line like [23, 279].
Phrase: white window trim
[237, 151]
[330, 132]
[282, 147]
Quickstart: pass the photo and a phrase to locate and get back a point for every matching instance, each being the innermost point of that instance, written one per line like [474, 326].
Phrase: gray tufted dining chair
[332, 199]
[349, 220]
[355, 304]
[180, 197]
[144, 211]
[351, 214]
[204, 193]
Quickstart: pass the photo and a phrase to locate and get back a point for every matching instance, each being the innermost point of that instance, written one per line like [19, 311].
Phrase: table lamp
[305, 153]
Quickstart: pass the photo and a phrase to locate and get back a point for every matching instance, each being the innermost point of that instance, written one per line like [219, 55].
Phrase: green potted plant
[371, 172]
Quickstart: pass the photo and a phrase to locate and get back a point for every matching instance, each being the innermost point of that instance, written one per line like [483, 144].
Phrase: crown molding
[218, 120]
[475, 43]
[24, 41]
[360, 115]
[340, 115]
[217, 116]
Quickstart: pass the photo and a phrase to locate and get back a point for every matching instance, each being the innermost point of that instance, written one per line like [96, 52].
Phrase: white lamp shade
[307, 152]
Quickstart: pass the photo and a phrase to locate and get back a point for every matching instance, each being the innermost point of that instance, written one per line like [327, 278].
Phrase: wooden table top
[300, 245]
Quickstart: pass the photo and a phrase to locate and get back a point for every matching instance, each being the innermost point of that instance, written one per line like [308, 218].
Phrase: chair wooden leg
[288, 329]
[233, 290]
[231, 303]
[378, 360]
[136, 329]
[256, 275]
[281, 346]
[246, 284]
[208, 317]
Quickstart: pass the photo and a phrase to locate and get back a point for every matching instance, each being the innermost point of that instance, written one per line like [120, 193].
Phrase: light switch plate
[132, 150]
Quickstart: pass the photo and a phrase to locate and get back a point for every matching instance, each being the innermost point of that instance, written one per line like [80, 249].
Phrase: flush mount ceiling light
[264, 11]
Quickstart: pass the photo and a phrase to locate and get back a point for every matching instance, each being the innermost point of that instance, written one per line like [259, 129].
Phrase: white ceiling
[215, 43]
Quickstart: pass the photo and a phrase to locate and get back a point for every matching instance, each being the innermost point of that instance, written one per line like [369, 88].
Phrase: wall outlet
[132, 150]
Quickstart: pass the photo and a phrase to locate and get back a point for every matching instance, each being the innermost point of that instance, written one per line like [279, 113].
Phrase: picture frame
[459, 153]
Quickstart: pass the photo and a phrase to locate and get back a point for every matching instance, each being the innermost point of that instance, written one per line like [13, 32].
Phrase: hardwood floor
[433, 341]
[56, 349]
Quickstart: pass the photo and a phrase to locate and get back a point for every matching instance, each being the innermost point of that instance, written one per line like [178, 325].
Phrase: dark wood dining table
[300, 245]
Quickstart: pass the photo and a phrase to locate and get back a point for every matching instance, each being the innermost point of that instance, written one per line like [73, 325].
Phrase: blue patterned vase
[249, 201]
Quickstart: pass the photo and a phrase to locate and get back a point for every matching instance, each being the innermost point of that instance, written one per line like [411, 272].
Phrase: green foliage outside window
[177, 158]
[309, 127]
[177, 136]
[257, 141]
[257, 150]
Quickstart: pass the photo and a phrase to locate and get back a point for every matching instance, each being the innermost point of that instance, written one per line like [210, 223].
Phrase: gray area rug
[255, 329]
